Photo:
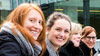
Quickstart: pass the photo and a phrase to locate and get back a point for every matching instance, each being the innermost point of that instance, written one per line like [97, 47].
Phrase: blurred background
[85, 12]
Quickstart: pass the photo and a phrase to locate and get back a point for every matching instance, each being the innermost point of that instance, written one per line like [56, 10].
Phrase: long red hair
[17, 17]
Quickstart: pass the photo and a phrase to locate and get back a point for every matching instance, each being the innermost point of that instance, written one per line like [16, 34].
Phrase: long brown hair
[87, 30]
[17, 17]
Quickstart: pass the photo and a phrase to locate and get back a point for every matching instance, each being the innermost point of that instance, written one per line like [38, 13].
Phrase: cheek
[86, 41]
[73, 40]
[94, 42]
[67, 36]
[73, 37]
[54, 33]
[52, 36]
[25, 26]
[41, 28]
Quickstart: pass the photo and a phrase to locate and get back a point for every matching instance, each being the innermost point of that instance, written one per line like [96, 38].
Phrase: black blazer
[70, 50]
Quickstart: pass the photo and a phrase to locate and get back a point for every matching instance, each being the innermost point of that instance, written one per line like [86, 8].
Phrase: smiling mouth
[60, 39]
[34, 32]
[90, 44]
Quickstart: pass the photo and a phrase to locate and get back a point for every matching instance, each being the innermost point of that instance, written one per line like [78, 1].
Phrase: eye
[75, 33]
[41, 22]
[58, 29]
[93, 37]
[32, 20]
[66, 31]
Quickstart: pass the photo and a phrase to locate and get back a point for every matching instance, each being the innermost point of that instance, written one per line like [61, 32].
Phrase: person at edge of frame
[88, 41]
[23, 33]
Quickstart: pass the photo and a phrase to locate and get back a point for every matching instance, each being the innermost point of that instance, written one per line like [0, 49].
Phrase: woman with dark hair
[23, 33]
[88, 41]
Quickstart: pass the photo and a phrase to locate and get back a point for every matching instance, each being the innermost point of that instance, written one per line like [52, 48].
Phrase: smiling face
[33, 23]
[90, 39]
[58, 34]
[76, 37]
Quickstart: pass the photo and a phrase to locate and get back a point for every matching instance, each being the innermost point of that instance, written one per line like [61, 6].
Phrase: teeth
[34, 32]
[60, 39]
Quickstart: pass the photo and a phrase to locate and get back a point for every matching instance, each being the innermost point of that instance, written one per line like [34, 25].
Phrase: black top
[46, 53]
[9, 46]
[70, 50]
[86, 50]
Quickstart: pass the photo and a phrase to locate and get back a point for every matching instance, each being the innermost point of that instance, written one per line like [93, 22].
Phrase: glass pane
[43, 1]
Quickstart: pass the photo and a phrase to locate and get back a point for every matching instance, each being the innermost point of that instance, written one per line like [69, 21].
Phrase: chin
[35, 38]
[76, 45]
[90, 46]
[60, 45]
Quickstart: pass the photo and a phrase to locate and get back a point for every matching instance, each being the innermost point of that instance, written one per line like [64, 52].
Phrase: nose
[79, 36]
[36, 25]
[62, 34]
[91, 39]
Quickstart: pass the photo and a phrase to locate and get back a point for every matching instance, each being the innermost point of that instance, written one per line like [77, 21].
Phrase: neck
[55, 48]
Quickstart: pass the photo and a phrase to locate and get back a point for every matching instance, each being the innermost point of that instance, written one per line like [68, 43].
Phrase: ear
[47, 29]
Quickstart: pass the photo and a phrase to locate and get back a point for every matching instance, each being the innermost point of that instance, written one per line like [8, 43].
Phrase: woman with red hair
[23, 33]
[88, 41]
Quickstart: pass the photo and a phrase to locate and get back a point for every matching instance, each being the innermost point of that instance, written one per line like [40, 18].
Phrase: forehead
[92, 34]
[76, 30]
[62, 23]
[34, 13]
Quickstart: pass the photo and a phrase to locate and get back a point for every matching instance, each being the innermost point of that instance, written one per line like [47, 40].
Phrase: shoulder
[83, 45]
[67, 49]
[85, 49]
[8, 45]
[6, 36]
[69, 46]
